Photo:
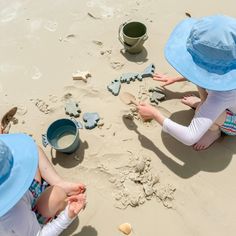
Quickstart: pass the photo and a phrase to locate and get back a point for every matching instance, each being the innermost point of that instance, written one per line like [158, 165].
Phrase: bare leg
[191, 101]
[51, 202]
[214, 132]
[202, 93]
[211, 135]
[46, 169]
[47, 172]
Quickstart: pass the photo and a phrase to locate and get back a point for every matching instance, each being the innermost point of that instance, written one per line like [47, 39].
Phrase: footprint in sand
[108, 12]
[68, 38]
[21, 110]
[8, 14]
[42, 106]
[106, 52]
[116, 65]
[53, 98]
[70, 89]
[105, 11]
[51, 26]
[35, 73]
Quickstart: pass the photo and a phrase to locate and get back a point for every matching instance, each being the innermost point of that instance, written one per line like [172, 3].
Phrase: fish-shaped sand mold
[114, 87]
[128, 77]
[149, 71]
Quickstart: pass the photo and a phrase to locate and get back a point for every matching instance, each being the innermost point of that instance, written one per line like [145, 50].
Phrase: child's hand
[146, 111]
[72, 188]
[149, 112]
[76, 203]
[166, 80]
[80, 188]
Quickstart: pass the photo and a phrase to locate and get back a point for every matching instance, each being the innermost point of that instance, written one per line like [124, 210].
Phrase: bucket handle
[78, 124]
[119, 33]
[44, 140]
[143, 38]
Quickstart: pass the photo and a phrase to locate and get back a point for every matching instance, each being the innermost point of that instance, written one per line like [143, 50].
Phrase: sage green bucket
[133, 35]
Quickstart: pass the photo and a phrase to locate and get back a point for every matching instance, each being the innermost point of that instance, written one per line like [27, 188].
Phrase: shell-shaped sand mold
[125, 228]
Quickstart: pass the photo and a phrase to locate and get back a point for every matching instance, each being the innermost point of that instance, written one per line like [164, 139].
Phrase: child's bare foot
[207, 139]
[191, 101]
[72, 188]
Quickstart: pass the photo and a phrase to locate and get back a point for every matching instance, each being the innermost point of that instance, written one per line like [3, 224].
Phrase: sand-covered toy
[91, 119]
[114, 87]
[72, 108]
[81, 75]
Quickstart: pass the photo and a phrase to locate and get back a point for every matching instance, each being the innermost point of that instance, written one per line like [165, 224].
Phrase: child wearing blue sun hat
[23, 200]
[203, 51]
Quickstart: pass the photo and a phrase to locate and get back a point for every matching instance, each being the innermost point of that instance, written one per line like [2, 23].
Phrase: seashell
[125, 228]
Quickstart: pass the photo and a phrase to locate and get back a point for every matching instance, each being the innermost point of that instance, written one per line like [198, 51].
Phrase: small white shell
[125, 228]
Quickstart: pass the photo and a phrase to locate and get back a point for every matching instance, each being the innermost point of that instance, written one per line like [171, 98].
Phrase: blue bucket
[63, 135]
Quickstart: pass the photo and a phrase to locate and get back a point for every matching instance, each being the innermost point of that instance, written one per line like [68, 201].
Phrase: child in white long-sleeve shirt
[204, 52]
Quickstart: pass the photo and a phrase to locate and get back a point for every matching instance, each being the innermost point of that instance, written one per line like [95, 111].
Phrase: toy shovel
[128, 98]
[8, 117]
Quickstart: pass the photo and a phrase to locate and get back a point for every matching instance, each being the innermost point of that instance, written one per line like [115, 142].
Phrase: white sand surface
[43, 42]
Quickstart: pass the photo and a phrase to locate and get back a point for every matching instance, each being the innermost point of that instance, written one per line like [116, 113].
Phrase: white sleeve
[209, 111]
[56, 226]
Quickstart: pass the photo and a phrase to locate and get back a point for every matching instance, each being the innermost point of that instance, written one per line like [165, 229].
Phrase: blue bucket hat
[204, 51]
[18, 165]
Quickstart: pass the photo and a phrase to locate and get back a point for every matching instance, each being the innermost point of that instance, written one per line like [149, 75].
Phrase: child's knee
[58, 193]
[52, 201]
[58, 198]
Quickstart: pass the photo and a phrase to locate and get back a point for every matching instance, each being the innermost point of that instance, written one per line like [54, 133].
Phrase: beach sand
[134, 172]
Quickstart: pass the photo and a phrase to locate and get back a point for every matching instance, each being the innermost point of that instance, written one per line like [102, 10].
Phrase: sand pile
[137, 182]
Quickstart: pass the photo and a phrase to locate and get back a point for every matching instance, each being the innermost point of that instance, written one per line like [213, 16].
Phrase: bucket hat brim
[25, 163]
[178, 56]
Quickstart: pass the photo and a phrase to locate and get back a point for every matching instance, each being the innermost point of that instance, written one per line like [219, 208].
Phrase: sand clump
[116, 65]
[42, 106]
[137, 182]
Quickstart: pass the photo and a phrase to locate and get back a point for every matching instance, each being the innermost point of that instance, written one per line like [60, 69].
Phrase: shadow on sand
[214, 159]
[138, 58]
[85, 231]
[69, 160]
[176, 95]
